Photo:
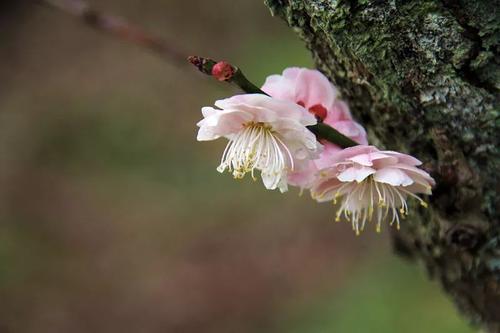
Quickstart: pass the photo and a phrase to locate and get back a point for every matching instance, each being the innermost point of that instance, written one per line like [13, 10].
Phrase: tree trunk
[424, 78]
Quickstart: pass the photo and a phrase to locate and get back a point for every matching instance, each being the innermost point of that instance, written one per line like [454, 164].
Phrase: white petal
[393, 176]
[271, 181]
[221, 123]
[416, 173]
[357, 174]
[363, 159]
[261, 106]
[207, 111]
[206, 133]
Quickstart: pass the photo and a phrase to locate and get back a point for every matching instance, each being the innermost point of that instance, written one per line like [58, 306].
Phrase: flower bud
[222, 71]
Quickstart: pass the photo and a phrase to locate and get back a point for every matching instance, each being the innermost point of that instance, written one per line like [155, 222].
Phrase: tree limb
[424, 77]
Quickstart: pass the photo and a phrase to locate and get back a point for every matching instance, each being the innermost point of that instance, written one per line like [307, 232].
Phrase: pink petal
[392, 176]
[355, 173]
[347, 153]
[292, 73]
[338, 111]
[415, 172]
[280, 87]
[303, 177]
[381, 160]
[324, 189]
[348, 128]
[403, 158]
[327, 156]
[266, 108]
[312, 88]
[363, 159]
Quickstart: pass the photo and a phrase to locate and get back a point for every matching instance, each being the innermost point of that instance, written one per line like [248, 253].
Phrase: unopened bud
[222, 71]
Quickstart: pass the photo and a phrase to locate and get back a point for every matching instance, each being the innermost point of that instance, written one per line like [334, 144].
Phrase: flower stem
[330, 134]
[121, 29]
[235, 75]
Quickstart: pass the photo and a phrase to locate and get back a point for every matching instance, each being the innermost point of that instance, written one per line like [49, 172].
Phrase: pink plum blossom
[306, 87]
[339, 117]
[264, 133]
[311, 89]
[371, 184]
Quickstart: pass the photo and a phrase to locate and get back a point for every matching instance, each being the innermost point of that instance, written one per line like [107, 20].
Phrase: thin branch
[119, 28]
[330, 134]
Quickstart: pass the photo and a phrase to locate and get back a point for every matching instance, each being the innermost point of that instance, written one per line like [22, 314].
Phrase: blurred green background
[114, 219]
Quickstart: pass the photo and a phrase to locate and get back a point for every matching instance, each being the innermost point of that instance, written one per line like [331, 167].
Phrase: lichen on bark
[424, 78]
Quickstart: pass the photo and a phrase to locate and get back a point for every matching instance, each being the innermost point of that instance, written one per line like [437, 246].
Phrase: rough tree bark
[424, 77]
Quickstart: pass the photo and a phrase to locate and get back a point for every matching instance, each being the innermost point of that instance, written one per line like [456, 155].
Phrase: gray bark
[424, 78]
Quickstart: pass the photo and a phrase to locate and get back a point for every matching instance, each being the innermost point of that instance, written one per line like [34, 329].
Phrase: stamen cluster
[257, 146]
[265, 134]
[368, 184]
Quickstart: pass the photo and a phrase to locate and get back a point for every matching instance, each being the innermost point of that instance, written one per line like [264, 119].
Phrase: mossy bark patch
[424, 78]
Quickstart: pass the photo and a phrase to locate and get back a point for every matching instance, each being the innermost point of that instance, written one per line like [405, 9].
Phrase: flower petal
[338, 111]
[280, 87]
[221, 123]
[403, 158]
[303, 176]
[357, 174]
[313, 88]
[392, 176]
[352, 130]
[362, 159]
[347, 153]
[415, 173]
[267, 109]
[271, 181]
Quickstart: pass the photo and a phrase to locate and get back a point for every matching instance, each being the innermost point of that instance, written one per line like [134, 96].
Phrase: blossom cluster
[268, 134]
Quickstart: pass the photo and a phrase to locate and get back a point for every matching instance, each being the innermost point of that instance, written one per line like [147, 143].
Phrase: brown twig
[118, 27]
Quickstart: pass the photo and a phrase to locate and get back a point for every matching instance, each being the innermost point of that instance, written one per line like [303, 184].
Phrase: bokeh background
[114, 219]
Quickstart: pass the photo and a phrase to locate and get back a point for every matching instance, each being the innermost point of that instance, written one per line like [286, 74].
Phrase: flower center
[257, 146]
[362, 202]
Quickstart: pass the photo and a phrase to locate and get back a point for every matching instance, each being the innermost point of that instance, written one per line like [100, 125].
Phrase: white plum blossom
[264, 133]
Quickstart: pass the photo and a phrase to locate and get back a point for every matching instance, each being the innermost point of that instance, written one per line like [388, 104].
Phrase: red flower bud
[222, 71]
